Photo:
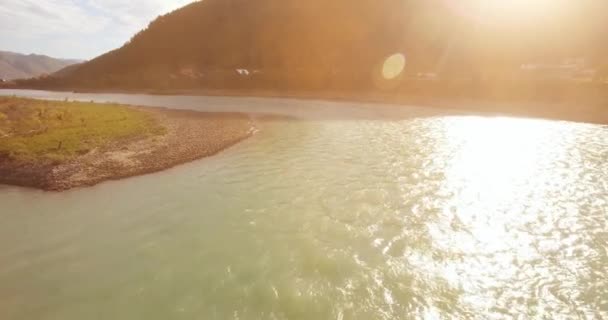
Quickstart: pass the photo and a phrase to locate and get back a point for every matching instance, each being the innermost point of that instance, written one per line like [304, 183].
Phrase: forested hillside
[333, 44]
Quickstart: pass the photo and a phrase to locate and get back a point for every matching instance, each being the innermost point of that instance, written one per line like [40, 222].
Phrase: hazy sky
[81, 29]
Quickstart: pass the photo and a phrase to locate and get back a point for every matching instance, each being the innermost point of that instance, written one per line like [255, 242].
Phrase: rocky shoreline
[189, 136]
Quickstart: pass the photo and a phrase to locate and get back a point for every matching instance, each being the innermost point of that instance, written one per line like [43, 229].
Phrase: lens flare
[393, 66]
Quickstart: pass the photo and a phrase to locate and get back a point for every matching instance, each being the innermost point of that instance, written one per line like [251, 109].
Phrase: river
[356, 211]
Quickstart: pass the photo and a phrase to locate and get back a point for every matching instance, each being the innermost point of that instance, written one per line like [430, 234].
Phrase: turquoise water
[351, 212]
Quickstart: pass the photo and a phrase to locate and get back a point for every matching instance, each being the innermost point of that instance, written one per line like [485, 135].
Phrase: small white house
[243, 72]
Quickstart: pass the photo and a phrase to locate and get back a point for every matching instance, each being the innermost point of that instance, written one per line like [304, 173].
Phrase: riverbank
[143, 140]
[576, 107]
[578, 103]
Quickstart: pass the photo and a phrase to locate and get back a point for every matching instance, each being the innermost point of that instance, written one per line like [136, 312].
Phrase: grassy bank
[38, 130]
[59, 145]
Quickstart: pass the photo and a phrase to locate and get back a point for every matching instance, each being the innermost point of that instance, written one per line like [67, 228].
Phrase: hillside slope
[327, 44]
[20, 66]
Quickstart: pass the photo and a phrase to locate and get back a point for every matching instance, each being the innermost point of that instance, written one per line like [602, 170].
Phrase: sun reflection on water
[496, 178]
[492, 159]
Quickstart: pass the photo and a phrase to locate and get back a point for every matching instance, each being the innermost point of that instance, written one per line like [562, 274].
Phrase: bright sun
[499, 11]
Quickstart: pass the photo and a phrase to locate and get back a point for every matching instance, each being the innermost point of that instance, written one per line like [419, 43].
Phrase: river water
[354, 212]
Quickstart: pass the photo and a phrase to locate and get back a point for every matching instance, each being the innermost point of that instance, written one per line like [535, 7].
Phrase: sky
[75, 29]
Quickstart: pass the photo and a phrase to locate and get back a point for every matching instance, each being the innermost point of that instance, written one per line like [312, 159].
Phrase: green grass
[33, 130]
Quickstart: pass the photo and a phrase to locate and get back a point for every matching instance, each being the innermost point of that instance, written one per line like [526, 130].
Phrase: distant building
[243, 72]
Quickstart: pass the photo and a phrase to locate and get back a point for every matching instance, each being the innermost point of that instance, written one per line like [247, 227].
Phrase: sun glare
[499, 11]
[499, 176]
[496, 157]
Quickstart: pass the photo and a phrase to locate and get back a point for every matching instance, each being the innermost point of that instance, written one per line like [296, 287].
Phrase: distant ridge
[20, 66]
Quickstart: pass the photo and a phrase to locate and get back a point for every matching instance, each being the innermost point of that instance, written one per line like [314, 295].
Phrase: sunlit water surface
[424, 217]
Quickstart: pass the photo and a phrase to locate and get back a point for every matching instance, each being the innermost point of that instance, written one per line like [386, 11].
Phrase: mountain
[281, 43]
[20, 66]
[329, 44]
